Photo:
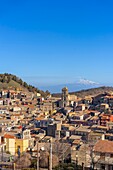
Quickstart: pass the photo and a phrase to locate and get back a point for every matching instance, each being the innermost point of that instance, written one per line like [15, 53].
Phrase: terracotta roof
[33, 135]
[104, 146]
[17, 114]
[31, 106]
[9, 136]
[71, 128]
[76, 141]
[109, 97]
[40, 118]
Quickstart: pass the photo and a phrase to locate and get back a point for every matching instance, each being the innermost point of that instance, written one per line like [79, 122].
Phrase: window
[103, 167]
[102, 154]
[18, 147]
[4, 148]
[2, 139]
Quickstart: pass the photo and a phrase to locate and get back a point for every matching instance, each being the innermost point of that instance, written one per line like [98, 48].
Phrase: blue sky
[55, 42]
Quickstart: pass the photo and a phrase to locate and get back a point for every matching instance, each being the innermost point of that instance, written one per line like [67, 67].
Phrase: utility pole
[37, 157]
[14, 165]
[50, 158]
[2, 154]
[91, 155]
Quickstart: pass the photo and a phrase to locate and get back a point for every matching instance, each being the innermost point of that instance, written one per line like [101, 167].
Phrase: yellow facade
[54, 111]
[12, 145]
[46, 113]
[50, 112]
[23, 144]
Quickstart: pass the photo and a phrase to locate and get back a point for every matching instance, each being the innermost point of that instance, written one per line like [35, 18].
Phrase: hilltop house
[102, 157]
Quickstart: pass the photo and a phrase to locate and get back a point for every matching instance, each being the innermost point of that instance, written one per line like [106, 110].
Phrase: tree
[70, 166]
[33, 163]
[20, 81]
[25, 85]
[47, 93]
[44, 159]
[24, 161]
[14, 78]
[3, 80]
[8, 79]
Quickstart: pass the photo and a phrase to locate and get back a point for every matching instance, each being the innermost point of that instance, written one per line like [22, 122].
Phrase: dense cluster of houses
[81, 129]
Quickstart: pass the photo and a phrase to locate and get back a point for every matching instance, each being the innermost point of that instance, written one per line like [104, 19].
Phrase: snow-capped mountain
[87, 82]
[81, 84]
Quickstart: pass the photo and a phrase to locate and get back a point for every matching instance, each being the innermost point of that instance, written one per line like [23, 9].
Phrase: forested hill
[9, 81]
[88, 92]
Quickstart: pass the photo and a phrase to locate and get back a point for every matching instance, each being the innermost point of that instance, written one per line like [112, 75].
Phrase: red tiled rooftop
[104, 146]
[9, 136]
[40, 118]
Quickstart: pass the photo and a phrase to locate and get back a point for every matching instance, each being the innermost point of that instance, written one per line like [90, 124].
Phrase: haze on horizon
[55, 42]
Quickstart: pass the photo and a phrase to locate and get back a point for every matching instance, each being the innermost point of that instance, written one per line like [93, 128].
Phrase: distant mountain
[87, 82]
[93, 91]
[82, 84]
[89, 92]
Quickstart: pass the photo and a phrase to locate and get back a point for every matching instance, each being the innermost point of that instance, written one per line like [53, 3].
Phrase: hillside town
[55, 130]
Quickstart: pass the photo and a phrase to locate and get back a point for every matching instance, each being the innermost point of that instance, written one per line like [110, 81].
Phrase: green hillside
[11, 84]
[9, 81]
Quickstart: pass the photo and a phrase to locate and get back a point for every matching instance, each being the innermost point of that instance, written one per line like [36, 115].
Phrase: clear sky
[57, 41]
